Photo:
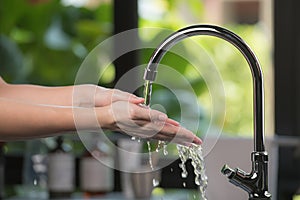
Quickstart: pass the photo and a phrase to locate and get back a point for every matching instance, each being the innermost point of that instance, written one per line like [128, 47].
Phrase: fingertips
[187, 137]
[135, 100]
[162, 117]
[173, 122]
[119, 95]
[197, 140]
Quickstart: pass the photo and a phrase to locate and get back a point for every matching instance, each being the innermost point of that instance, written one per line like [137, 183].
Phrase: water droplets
[194, 152]
[35, 182]
[138, 139]
[155, 182]
[165, 150]
[162, 145]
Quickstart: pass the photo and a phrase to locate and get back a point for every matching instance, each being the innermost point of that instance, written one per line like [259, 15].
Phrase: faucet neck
[235, 40]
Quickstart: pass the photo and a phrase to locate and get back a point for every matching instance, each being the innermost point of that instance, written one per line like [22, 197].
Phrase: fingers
[138, 120]
[173, 122]
[118, 95]
[179, 135]
[166, 128]
[157, 116]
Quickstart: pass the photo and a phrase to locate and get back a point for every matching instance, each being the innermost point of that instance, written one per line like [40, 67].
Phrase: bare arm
[21, 120]
[29, 111]
[37, 94]
[87, 95]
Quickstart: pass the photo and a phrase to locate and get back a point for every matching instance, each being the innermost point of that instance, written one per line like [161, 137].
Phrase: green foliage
[48, 40]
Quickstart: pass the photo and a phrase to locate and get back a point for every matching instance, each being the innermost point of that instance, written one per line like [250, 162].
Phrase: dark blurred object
[2, 171]
[11, 59]
[129, 60]
[287, 94]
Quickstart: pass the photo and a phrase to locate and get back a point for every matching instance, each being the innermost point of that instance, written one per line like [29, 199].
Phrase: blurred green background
[45, 41]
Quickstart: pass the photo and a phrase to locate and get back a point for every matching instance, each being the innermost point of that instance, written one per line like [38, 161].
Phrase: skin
[31, 111]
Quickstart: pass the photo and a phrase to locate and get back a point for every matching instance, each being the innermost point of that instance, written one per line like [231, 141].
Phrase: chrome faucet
[255, 182]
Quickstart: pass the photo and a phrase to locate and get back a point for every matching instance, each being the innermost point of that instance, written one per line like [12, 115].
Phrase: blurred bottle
[35, 170]
[61, 171]
[96, 177]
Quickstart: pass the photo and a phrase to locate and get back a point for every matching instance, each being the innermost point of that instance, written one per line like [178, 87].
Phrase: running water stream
[193, 152]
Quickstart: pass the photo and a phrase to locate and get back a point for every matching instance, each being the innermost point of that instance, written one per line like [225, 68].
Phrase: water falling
[150, 155]
[165, 149]
[194, 152]
[159, 145]
[147, 97]
[147, 92]
[184, 156]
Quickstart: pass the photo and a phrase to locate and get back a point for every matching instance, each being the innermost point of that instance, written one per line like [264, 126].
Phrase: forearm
[63, 95]
[21, 120]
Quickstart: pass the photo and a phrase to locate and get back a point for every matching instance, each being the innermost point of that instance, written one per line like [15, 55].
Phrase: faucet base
[255, 182]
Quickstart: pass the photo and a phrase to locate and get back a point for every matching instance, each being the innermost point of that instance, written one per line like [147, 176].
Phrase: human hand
[96, 96]
[121, 111]
[106, 96]
[140, 121]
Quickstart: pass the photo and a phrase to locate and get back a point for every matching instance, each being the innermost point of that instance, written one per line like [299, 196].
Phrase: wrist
[92, 118]
[84, 95]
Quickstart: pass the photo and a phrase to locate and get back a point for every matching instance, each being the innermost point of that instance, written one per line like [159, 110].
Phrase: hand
[96, 96]
[105, 96]
[121, 111]
[140, 121]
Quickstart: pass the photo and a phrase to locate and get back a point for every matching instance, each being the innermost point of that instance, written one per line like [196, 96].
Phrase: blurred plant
[48, 40]
[45, 41]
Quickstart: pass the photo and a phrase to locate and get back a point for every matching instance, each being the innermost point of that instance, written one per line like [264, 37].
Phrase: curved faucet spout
[258, 186]
[151, 70]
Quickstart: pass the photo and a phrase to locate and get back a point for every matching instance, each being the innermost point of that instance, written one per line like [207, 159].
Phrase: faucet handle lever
[227, 171]
[239, 178]
[247, 181]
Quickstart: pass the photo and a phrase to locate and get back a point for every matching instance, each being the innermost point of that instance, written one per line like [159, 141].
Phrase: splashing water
[194, 152]
[184, 156]
[162, 145]
[165, 150]
[150, 155]
[159, 145]
[155, 182]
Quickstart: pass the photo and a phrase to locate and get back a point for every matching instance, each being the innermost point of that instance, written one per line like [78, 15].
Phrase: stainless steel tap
[255, 182]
